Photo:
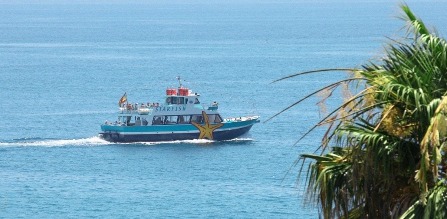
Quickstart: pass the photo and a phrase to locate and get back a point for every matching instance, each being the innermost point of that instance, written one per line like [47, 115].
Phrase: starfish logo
[207, 129]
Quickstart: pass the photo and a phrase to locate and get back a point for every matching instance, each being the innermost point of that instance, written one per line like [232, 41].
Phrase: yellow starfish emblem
[206, 130]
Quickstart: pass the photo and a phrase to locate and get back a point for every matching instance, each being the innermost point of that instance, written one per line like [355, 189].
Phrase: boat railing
[240, 119]
[142, 109]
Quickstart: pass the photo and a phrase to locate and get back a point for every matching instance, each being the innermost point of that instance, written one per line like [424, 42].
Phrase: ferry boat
[181, 117]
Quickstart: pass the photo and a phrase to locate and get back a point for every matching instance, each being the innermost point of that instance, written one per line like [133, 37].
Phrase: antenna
[179, 80]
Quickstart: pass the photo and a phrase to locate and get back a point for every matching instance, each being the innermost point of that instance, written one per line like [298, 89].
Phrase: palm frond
[379, 137]
[416, 23]
[435, 207]
[314, 71]
[328, 87]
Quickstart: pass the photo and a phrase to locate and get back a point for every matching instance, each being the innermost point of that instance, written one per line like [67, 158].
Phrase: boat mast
[179, 81]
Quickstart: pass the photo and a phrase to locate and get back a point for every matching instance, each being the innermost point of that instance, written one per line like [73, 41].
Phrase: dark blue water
[64, 66]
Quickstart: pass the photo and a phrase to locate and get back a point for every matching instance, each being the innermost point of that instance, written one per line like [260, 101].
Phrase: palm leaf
[372, 148]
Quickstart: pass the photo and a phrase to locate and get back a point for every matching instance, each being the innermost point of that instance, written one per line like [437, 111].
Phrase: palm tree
[384, 151]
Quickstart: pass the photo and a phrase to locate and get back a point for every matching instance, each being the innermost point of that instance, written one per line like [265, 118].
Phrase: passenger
[157, 121]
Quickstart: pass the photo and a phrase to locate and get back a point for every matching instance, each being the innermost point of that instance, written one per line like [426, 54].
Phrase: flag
[123, 99]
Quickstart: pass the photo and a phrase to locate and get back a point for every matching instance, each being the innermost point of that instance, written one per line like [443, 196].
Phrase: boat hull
[149, 137]
[173, 133]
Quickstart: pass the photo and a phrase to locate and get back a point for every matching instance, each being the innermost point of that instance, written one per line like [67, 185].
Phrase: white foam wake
[96, 141]
[240, 139]
[194, 141]
[92, 141]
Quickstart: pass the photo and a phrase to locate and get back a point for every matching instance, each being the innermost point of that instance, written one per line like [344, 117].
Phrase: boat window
[174, 100]
[215, 118]
[122, 119]
[197, 118]
[218, 119]
[180, 100]
[168, 100]
[197, 101]
[145, 121]
[170, 120]
[137, 121]
[184, 119]
[157, 120]
[211, 117]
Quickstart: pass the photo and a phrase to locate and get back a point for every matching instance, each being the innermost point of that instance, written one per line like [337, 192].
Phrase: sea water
[64, 65]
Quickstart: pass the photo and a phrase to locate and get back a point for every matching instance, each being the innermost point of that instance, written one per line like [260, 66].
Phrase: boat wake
[97, 141]
[39, 142]
[239, 140]
[194, 141]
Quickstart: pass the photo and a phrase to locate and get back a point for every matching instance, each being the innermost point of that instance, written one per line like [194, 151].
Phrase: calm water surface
[64, 66]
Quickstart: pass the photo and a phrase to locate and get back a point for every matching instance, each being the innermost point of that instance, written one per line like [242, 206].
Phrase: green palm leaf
[394, 127]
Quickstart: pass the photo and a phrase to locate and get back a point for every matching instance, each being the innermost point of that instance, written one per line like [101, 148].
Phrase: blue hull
[218, 135]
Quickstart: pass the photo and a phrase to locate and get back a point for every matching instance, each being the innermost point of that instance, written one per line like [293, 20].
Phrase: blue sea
[65, 64]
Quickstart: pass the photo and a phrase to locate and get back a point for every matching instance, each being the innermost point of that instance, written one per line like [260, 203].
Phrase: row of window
[185, 119]
[168, 120]
[181, 100]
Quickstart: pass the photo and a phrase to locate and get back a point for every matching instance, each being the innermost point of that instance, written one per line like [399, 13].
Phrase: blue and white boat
[180, 117]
